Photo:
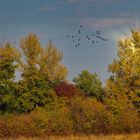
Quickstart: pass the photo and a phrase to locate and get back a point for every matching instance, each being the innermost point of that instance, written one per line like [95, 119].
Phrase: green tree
[125, 78]
[90, 84]
[9, 56]
[34, 89]
[41, 69]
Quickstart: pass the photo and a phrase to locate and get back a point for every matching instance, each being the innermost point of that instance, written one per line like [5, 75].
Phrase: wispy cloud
[106, 22]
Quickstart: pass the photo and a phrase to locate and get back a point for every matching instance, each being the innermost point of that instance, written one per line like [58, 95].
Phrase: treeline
[42, 102]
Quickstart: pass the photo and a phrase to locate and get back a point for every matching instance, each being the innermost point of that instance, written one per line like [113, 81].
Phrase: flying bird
[79, 31]
[98, 32]
[93, 37]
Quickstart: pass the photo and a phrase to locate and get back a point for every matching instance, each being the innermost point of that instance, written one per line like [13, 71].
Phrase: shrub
[121, 116]
[67, 90]
[15, 126]
[39, 122]
[88, 115]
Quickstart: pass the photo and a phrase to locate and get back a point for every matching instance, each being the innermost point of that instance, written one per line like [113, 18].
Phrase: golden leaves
[9, 52]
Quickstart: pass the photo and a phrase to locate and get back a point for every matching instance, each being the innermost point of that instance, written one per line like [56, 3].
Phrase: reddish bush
[67, 90]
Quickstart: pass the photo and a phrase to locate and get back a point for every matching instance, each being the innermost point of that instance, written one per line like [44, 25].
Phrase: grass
[110, 137]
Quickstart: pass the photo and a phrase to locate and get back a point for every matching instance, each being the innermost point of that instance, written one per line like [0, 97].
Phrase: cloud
[47, 8]
[106, 22]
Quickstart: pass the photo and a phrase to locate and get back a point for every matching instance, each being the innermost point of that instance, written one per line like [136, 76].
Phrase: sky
[54, 19]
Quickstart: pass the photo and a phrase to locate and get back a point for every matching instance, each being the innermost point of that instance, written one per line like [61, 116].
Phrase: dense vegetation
[42, 102]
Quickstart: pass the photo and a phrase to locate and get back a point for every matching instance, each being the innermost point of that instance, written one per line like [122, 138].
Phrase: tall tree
[125, 78]
[34, 89]
[46, 60]
[50, 64]
[41, 69]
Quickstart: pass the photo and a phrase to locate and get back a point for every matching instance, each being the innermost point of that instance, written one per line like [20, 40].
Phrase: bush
[121, 116]
[40, 122]
[77, 116]
[15, 126]
[56, 121]
[67, 90]
[88, 115]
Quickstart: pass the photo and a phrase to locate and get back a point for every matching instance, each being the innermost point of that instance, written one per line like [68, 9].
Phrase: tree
[50, 65]
[125, 78]
[90, 84]
[31, 49]
[41, 69]
[45, 60]
[9, 56]
[34, 89]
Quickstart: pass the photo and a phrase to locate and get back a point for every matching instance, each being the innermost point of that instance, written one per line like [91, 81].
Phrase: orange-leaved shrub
[88, 115]
[17, 125]
[39, 122]
[80, 115]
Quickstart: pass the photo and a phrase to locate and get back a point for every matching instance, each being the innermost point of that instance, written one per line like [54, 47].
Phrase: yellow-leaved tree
[125, 78]
[50, 65]
[47, 61]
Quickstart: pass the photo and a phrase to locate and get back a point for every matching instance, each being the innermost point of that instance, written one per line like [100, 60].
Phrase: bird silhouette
[67, 36]
[79, 32]
[81, 26]
[98, 32]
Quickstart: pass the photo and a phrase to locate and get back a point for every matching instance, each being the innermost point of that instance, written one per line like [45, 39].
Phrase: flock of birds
[92, 37]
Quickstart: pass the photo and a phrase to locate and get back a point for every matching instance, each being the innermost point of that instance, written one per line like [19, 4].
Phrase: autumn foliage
[41, 101]
[67, 90]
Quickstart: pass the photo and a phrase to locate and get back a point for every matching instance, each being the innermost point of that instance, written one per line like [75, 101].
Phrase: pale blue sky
[53, 19]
